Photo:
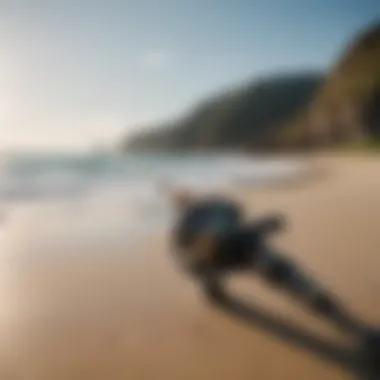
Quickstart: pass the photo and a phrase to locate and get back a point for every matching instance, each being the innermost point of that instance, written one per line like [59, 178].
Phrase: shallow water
[59, 202]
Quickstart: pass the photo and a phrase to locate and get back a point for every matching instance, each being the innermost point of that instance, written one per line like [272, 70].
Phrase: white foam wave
[113, 206]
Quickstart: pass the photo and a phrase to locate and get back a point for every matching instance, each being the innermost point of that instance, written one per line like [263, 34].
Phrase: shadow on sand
[251, 314]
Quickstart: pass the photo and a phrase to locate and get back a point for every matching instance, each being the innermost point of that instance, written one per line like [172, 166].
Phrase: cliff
[285, 111]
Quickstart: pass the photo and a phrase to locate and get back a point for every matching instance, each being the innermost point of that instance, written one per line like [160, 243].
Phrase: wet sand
[132, 315]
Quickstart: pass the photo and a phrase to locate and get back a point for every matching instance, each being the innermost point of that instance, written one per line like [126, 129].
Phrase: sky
[82, 73]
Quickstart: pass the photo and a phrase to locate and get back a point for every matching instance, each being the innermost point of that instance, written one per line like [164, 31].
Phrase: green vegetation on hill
[350, 96]
[285, 111]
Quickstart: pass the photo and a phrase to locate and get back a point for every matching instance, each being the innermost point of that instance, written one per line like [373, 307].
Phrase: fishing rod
[211, 240]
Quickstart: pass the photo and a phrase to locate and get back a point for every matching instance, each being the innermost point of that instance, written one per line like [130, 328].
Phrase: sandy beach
[132, 315]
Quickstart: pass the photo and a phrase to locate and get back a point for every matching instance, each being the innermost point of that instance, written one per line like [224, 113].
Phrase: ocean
[49, 202]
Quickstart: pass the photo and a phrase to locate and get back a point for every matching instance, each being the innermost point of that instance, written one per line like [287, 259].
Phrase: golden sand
[126, 316]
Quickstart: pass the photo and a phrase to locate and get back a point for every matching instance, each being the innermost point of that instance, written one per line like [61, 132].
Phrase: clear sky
[80, 72]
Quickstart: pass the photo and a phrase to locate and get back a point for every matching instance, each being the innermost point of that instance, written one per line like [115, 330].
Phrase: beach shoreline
[122, 316]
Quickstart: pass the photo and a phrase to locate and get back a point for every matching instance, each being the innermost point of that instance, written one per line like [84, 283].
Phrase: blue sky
[78, 72]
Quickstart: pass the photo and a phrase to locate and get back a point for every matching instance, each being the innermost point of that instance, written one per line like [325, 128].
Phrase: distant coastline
[292, 111]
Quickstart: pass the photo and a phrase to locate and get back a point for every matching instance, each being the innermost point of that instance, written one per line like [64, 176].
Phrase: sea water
[55, 200]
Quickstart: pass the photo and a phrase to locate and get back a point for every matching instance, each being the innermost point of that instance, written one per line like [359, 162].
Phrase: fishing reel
[194, 259]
